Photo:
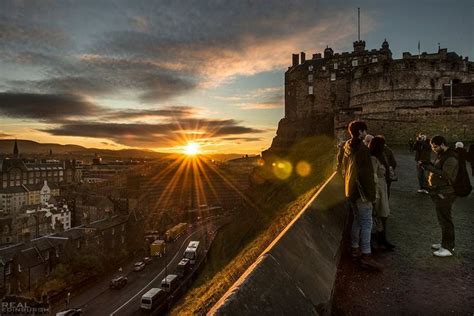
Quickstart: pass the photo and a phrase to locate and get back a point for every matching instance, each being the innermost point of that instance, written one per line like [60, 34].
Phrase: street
[100, 300]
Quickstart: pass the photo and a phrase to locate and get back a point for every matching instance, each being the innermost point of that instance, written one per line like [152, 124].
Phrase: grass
[275, 202]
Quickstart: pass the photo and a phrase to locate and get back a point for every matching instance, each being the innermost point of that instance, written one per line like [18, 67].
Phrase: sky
[158, 74]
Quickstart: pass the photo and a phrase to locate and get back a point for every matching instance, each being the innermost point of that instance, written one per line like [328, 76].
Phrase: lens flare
[303, 168]
[283, 169]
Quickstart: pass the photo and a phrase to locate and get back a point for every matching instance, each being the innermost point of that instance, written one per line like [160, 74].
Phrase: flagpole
[358, 24]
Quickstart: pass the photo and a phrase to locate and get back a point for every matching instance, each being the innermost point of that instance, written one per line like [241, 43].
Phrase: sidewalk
[414, 282]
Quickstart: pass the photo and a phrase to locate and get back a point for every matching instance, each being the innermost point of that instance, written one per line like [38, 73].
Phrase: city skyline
[155, 76]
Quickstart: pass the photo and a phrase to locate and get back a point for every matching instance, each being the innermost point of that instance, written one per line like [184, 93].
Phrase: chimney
[296, 60]
[303, 57]
[317, 56]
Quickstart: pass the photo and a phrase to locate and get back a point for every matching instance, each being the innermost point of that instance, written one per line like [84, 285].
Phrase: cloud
[260, 106]
[45, 107]
[2, 135]
[257, 99]
[170, 111]
[94, 75]
[14, 34]
[152, 135]
[255, 38]
[245, 139]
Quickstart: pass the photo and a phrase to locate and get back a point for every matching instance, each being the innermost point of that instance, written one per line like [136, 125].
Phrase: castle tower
[16, 153]
[359, 46]
[328, 52]
[386, 49]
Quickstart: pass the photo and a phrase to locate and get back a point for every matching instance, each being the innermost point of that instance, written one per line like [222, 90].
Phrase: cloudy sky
[153, 74]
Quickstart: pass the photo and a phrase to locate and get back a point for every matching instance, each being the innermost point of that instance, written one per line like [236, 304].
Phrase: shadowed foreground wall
[295, 275]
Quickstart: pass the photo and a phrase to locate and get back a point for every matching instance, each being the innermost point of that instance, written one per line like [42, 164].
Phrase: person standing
[442, 174]
[462, 153]
[471, 157]
[381, 205]
[422, 154]
[411, 143]
[391, 165]
[359, 187]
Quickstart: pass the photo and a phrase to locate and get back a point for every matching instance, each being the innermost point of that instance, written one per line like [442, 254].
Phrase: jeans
[445, 220]
[421, 177]
[361, 225]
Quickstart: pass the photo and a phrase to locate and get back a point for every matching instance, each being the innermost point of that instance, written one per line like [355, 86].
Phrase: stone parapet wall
[295, 275]
[455, 123]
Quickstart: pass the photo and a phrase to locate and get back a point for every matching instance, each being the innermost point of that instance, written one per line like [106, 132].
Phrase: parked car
[118, 282]
[139, 266]
[146, 260]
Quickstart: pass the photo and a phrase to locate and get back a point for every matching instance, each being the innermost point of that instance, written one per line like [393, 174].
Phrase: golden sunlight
[192, 149]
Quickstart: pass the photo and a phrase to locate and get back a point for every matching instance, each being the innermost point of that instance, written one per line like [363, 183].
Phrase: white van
[191, 251]
[152, 299]
[170, 283]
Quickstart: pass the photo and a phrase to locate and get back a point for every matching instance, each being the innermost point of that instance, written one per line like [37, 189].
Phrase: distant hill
[29, 147]
[34, 148]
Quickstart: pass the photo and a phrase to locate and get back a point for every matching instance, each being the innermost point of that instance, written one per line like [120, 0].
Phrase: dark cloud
[171, 111]
[18, 34]
[95, 76]
[151, 134]
[45, 107]
[4, 135]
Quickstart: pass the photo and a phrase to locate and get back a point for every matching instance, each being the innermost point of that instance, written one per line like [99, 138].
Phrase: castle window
[333, 76]
[335, 65]
[310, 78]
[374, 59]
[310, 67]
[323, 68]
[310, 90]
[355, 63]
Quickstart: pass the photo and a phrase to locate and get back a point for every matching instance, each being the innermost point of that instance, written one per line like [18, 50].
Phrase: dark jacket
[443, 172]
[462, 154]
[359, 178]
[388, 153]
[422, 150]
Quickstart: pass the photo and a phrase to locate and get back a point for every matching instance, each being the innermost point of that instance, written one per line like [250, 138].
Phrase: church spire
[16, 153]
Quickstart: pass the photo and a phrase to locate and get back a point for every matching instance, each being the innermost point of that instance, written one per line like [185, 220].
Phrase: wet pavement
[413, 282]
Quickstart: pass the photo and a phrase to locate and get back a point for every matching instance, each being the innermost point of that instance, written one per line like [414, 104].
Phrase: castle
[398, 98]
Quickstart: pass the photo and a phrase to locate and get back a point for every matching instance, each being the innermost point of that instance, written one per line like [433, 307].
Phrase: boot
[368, 262]
[383, 236]
[355, 253]
[384, 242]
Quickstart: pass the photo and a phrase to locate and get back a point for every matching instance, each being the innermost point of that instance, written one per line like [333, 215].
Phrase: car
[146, 260]
[139, 266]
[70, 312]
[118, 282]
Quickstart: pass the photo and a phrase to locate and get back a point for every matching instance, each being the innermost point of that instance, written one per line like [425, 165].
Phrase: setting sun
[191, 149]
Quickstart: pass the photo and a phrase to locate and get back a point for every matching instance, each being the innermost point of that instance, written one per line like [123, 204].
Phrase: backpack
[462, 185]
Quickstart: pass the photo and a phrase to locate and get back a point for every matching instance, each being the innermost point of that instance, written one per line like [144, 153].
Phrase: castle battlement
[370, 80]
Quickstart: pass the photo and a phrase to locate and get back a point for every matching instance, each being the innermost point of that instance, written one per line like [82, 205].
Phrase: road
[100, 300]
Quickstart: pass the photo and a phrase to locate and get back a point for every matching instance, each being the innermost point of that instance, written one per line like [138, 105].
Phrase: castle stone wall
[400, 97]
[455, 123]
